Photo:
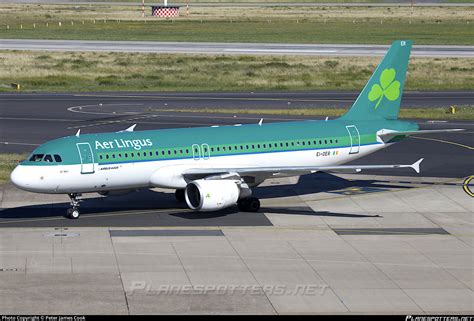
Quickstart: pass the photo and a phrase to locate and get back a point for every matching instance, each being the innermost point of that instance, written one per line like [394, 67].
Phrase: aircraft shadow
[153, 202]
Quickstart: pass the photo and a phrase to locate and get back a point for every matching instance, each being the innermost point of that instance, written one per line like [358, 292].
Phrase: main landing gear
[249, 204]
[73, 212]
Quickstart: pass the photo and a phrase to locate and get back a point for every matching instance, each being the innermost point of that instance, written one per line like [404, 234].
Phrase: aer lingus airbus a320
[215, 167]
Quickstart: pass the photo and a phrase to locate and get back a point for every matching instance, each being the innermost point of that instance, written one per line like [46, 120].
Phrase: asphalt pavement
[230, 48]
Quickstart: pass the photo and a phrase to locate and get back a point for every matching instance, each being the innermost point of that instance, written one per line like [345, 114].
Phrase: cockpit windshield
[45, 158]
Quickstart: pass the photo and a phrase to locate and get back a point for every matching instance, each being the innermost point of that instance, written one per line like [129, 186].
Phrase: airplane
[212, 168]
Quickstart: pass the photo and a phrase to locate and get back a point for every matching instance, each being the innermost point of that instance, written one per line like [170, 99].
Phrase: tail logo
[388, 88]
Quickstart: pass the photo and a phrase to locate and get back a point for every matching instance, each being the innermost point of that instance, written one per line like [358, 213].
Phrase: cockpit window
[48, 159]
[58, 158]
[36, 157]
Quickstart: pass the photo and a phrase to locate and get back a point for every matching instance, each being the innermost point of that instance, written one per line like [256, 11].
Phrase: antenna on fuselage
[260, 122]
[78, 132]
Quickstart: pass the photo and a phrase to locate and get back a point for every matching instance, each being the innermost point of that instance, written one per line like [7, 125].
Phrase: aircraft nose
[19, 177]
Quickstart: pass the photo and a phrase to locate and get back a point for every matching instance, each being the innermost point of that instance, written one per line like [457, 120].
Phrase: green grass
[449, 32]
[462, 112]
[82, 72]
[7, 164]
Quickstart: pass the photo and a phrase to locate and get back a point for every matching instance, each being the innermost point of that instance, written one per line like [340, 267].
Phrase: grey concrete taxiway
[229, 48]
[320, 244]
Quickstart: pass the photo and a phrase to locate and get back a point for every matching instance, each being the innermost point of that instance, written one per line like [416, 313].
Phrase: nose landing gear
[73, 212]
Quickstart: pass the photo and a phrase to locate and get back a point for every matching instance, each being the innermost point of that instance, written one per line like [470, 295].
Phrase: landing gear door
[87, 158]
[355, 139]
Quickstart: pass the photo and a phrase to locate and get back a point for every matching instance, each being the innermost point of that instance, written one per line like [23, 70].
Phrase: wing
[290, 170]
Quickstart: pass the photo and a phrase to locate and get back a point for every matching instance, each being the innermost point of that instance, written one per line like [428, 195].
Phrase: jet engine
[212, 195]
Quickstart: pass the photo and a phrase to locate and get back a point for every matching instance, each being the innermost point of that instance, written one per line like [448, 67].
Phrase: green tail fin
[380, 98]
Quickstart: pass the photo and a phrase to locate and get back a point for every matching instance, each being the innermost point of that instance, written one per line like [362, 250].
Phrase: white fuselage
[166, 173]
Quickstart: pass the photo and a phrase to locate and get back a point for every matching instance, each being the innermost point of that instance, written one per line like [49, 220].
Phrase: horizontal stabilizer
[387, 132]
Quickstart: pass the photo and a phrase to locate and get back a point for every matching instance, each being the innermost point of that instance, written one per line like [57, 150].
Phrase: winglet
[129, 129]
[416, 165]
[78, 132]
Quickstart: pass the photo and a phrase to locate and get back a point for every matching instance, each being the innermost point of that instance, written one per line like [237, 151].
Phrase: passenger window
[48, 158]
[58, 158]
[107, 156]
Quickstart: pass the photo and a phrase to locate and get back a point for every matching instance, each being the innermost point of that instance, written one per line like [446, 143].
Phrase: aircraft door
[87, 158]
[206, 153]
[196, 151]
[355, 139]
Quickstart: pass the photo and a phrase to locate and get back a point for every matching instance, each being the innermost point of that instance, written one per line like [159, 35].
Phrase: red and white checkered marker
[165, 12]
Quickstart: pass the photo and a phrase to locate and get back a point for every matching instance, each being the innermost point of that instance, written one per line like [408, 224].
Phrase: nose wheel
[73, 212]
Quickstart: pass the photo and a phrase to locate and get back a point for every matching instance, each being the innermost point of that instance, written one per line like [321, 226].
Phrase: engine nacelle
[212, 195]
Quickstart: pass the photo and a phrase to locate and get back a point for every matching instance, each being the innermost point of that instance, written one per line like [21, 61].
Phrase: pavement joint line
[282, 259]
[251, 273]
[119, 273]
[383, 273]
[318, 274]
[443, 268]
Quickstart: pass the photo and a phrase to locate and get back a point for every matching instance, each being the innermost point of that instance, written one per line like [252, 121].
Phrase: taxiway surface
[230, 48]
